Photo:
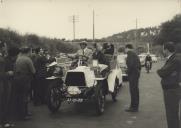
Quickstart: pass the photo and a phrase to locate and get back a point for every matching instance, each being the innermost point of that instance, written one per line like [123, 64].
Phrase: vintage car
[86, 82]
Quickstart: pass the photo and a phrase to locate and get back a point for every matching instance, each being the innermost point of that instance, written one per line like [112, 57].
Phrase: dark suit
[5, 91]
[2, 85]
[134, 67]
[170, 73]
[100, 57]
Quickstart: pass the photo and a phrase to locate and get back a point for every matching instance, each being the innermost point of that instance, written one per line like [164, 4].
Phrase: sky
[52, 18]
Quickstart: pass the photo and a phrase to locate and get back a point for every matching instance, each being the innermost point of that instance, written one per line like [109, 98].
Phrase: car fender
[115, 73]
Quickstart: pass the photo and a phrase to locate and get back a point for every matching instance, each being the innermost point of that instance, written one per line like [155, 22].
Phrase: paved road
[151, 114]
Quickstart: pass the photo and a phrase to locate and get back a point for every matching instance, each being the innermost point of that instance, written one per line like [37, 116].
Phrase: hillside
[140, 35]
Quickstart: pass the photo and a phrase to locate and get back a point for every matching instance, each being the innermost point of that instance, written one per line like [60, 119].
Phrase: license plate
[79, 100]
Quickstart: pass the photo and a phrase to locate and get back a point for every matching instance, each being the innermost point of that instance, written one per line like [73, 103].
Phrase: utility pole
[136, 34]
[93, 28]
[74, 19]
[179, 6]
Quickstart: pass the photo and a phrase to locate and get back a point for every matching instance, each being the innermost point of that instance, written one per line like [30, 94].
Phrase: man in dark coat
[40, 88]
[5, 88]
[170, 73]
[134, 67]
[99, 55]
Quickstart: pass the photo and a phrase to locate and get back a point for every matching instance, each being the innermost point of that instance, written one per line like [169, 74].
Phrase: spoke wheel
[54, 98]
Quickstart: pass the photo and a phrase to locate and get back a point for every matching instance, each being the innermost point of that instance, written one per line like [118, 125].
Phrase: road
[151, 114]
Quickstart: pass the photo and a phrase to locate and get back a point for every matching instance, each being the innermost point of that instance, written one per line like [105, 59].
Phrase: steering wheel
[83, 57]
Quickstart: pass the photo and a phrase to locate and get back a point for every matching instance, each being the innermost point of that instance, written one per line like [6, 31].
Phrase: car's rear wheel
[100, 99]
[54, 97]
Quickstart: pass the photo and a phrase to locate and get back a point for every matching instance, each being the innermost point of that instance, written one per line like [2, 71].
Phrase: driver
[148, 59]
[83, 53]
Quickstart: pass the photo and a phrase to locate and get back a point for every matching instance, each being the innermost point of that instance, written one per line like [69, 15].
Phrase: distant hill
[141, 35]
[140, 38]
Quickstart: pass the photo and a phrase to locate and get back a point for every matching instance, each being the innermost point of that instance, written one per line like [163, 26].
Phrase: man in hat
[84, 53]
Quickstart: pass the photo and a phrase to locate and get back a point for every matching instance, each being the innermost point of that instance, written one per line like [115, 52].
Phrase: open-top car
[84, 83]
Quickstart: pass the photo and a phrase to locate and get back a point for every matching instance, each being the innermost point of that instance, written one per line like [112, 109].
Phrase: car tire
[99, 98]
[54, 97]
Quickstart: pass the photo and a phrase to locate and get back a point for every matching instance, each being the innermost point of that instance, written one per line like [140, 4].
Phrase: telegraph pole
[179, 4]
[74, 19]
[136, 33]
[93, 28]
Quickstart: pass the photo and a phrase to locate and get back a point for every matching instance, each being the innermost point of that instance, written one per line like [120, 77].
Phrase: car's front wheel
[54, 97]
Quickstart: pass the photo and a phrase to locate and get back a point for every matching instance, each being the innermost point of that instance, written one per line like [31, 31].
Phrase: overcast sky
[52, 18]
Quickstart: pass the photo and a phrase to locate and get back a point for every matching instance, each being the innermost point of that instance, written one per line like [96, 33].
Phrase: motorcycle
[148, 66]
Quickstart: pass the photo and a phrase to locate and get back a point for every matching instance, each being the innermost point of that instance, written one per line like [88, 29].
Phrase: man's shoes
[131, 110]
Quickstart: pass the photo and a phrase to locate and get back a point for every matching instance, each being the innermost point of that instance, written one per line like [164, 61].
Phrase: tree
[32, 40]
[170, 31]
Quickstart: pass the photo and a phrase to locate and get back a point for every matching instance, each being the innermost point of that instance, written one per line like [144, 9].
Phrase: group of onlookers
[22, 76]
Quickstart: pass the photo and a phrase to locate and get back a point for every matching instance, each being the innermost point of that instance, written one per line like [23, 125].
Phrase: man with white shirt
[84, 53]
[170, 73]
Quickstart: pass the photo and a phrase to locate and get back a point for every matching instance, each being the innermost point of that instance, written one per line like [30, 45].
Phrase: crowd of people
[22, 78]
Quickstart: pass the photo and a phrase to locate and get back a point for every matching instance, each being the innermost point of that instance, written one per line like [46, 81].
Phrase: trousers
[172, 106]
[134, 90]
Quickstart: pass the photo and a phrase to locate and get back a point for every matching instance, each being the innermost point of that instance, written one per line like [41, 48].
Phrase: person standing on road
[23, 75]
[4, 89]
[40, 87]
[170, 83]
[9, 105]
[134, 67]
